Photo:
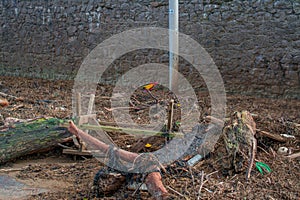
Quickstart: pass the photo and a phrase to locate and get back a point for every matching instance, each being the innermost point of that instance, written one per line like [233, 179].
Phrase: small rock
[71, 30]
[283, 151]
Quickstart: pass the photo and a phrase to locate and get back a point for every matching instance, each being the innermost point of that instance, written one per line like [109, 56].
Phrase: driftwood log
[23, 138]
[153, 179]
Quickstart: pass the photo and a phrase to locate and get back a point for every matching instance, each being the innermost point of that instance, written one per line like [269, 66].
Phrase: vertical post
[173, 44]
[78, 104]
[170, 118]
[91, 104]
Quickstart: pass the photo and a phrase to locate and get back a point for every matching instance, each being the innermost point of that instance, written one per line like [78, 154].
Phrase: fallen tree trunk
[29, 137]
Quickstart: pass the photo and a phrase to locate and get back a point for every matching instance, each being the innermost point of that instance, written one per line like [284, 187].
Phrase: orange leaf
[150, 86]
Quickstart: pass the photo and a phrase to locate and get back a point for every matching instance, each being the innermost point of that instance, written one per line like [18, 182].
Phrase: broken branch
[272, 136]
[153, 180]
[295, 155]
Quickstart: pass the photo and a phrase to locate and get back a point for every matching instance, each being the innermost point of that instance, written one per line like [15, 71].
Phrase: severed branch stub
[153, 180]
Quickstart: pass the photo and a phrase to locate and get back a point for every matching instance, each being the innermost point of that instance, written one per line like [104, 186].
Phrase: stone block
[283, 4]
[71, 30]
[296, 7]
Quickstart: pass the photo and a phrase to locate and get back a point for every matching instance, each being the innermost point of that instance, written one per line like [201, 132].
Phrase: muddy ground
[62, 177]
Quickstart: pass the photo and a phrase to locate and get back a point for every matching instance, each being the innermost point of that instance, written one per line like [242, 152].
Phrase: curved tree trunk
[153, 179]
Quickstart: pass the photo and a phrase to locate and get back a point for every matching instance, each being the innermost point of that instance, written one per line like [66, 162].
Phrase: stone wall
[255, 43]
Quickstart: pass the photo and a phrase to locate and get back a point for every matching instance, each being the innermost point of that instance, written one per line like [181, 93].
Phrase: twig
[137, 189]
[232, 177]
[141, 103]
[103, 97]
[10, 96]
[176, 192]
[251, 162]
[132, 104]
[11, 170]
[201, 185]
[193, 179]
[17, 107]
[208, 175]
[263, 150]
[117, 108]
[295, 155]
[273, 153]
[152, 95]
[64, 146]
[207, 190]
[214, 120]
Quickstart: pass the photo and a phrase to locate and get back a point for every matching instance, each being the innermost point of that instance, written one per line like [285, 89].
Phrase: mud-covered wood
[24, 138]
[237, 145]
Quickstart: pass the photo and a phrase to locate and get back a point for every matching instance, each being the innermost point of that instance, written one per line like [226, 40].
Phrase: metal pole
[173, 44]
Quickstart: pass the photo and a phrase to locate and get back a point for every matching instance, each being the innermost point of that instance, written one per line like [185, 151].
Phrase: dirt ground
[66, 178]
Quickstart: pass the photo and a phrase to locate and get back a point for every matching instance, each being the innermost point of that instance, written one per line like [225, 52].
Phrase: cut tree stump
[29, 137]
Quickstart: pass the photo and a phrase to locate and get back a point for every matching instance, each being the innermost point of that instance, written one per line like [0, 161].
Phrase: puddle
[10, 188]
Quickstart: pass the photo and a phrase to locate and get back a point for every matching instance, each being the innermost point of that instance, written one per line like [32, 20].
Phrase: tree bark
[29, 137]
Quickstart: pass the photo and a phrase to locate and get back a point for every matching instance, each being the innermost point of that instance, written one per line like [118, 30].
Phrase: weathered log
[29, 137]
[153, 180]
